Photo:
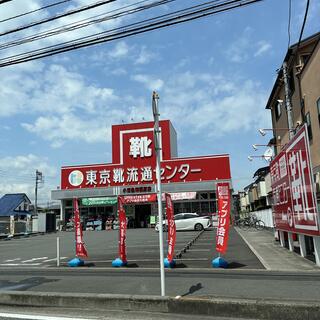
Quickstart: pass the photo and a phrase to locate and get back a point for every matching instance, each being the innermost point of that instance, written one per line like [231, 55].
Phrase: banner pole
[58, 252]
[155, 98]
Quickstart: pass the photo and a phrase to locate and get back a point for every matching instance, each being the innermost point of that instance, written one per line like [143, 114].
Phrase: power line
[36, 10]
[4, 1]
[65, 14]
[173, 18]
[81, 24]
[303, 24]
[289, 24]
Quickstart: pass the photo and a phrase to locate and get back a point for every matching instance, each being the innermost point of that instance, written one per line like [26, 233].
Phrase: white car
[187, 221]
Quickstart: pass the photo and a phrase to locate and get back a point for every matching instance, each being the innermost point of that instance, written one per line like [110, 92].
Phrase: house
[294, 104]
[303, 65]
[14, 211]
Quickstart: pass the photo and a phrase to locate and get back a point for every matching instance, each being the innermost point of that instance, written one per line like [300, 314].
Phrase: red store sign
[294, 202]
[134, 161]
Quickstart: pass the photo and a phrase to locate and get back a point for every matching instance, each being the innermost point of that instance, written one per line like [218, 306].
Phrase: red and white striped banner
[122, 230]
[81, 250]
[171, 227]
[223, 195]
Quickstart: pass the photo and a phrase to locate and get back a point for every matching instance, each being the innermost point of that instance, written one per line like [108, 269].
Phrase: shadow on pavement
[193, 289]
[235, 265]
[25, 284]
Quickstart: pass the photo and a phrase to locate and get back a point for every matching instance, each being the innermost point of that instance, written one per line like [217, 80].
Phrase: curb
[239, 308]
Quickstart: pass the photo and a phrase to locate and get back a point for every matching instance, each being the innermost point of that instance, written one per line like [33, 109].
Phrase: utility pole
[288, 99]
[38, 179]
[156, 114]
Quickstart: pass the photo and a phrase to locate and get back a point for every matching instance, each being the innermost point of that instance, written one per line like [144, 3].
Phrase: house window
[277, 110]
[308, 122]
[318, 109]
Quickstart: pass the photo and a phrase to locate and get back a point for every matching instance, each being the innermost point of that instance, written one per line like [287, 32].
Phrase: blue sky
[213, 75]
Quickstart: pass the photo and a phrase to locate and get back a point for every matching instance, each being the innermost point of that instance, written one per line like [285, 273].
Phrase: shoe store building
[191, 181]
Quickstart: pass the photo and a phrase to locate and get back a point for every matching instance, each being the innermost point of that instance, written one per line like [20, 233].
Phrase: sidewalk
[271, 254]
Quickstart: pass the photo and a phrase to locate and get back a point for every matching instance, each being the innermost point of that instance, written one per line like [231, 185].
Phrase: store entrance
[142, 215]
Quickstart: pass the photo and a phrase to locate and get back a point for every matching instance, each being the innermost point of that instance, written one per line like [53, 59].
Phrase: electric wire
[36, 10]
[303, 24]
[4, 1]
[289, 24]
[173, 18]
[77, 25]
[58, 16]
[119, 28]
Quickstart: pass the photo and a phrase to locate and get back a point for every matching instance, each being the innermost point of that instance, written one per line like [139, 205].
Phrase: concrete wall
[265, 216]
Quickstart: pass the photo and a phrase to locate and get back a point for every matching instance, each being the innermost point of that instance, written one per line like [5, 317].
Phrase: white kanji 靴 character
[140, 147]
[146, 174]
[118, 176]
[132, 175]
[104, 176]
[184, 169]
[91, 177]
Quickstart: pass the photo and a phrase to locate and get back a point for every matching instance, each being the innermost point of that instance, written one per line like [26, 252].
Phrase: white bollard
[58, 252]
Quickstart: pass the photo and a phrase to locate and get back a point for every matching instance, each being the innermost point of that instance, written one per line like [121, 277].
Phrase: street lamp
[265, 157]
[255, 146]
[263, 131]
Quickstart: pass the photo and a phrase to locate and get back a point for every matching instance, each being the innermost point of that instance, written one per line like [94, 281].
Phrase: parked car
[188, 221]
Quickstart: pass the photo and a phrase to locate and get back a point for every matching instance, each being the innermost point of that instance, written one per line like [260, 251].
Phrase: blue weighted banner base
[76, 262]
[219, 263]
[119, 263]
[169, 264]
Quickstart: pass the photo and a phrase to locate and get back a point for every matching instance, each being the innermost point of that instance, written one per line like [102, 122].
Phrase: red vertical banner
[81, 250]
[223, 195]
[171, 227]
[122, 230]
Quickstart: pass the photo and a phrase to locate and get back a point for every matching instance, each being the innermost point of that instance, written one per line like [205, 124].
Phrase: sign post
[155, 98]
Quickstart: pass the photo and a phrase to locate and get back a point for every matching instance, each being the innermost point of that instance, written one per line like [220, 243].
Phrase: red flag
[81, 250]
[122, 230]
[222, 236]
[171, 227]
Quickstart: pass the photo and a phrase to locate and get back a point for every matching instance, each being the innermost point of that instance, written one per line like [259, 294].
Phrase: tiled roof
[9, 202]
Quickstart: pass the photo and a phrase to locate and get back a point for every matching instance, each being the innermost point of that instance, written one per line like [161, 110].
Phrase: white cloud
[214, 105]
[149, 82]
[263, 46]
[120, 50]
[18, 175]
[144, 56]
[68, 127]
[245, 47]
[119, 72]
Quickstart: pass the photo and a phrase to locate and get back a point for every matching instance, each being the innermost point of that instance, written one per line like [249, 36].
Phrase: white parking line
[55, 259]
[33, 317]
[19, 264]
[11, 260]
[34, 259]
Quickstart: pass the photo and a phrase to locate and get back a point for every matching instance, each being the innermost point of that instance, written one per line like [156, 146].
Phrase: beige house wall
[310, 85]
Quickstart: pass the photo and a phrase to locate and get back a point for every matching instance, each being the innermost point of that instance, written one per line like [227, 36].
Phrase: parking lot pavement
[142, 250]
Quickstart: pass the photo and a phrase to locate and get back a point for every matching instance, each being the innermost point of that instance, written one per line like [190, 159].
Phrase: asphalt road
[142, 250]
